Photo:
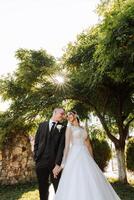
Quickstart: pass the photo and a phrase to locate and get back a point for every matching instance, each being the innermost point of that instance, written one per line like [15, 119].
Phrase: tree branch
[128, 123]
[113, 138]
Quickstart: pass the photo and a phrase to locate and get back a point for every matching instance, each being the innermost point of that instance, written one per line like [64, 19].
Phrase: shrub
[130, 154]
[102, 152]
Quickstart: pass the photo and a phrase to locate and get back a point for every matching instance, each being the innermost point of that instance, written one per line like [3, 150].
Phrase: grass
[125, 191]
[29, 191]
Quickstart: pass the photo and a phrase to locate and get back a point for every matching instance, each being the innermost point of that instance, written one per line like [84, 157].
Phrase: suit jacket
[58, 143]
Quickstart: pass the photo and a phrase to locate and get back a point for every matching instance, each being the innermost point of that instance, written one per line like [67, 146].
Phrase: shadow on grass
[28, 191]
[125, 191]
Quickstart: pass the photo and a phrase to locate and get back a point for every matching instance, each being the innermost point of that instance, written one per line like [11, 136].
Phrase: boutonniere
[59, 126]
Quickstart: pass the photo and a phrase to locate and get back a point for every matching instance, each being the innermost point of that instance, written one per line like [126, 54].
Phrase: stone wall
[16, 161]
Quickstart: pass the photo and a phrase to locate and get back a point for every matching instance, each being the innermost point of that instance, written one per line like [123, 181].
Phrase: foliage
[96, 133]
[31, 90]
[101, 152]
[130, 154]
[101, 69]
[81, 109]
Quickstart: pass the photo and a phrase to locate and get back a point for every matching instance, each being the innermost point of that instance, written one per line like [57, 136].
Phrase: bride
[81, 178]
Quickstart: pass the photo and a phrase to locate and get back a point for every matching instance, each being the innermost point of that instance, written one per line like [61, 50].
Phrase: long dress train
[81, 178]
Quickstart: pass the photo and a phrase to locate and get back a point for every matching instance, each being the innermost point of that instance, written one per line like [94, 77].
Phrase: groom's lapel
[45, 130]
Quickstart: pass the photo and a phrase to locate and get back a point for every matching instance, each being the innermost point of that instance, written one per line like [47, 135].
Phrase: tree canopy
[101, 65]
[30, 90]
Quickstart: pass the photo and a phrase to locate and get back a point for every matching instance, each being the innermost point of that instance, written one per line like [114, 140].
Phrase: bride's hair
[77, 116]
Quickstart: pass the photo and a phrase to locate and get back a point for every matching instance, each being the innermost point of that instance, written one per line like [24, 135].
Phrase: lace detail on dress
[78, 135]
[75, 135]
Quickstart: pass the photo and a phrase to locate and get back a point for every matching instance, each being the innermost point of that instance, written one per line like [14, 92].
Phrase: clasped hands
[57, 169]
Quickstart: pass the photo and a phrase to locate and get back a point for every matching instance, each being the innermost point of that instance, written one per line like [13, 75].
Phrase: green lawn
[125, 191]
[19, 192]
[30, 192]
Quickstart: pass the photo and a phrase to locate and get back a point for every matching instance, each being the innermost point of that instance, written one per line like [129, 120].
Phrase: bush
[130, 154]
[102, 152]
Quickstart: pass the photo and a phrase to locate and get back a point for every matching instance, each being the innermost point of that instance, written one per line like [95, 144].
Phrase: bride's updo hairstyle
[75, 113]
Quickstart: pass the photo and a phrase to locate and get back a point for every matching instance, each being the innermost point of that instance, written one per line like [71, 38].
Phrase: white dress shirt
[51, 123]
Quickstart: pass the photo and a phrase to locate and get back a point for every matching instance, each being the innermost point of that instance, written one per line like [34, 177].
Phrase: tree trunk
[119, 145]
[86, 124]
[122, 175]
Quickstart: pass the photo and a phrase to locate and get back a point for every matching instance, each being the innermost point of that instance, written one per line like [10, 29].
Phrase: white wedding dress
[81, 178]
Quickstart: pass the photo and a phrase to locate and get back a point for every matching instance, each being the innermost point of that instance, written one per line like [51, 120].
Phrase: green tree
[101, 69]
[31, 90]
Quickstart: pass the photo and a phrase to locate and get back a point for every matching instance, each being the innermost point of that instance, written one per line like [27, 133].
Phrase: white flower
[59, 126]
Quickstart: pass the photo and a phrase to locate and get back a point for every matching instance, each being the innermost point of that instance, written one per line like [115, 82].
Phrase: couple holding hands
[63, 156]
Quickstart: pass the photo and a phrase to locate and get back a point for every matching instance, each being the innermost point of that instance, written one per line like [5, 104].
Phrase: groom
[48, 151]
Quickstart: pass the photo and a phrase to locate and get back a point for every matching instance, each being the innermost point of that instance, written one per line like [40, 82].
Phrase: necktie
[53, 126]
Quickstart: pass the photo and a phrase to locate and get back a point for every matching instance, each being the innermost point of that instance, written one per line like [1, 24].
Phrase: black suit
[48, 151]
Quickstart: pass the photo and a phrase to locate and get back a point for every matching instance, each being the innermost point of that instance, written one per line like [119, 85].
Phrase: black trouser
[45, 177]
